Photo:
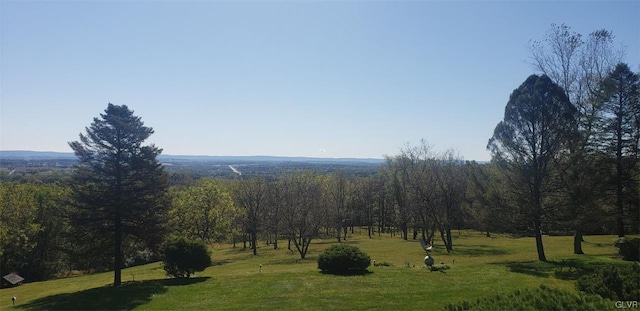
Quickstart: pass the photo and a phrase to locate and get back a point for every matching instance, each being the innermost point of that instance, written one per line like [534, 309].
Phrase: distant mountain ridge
[51, 155]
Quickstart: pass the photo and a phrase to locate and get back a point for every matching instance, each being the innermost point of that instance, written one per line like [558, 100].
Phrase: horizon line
[205, 155]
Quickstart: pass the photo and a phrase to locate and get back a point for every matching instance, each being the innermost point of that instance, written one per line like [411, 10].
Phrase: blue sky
[285, 78]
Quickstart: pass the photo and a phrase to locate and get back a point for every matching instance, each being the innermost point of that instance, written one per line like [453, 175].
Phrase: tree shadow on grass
[533, 268]
[566, 269]
[220, 262]
[285, 261]
[125, 297]
[598, 244]
[348, 273]
[479, 250]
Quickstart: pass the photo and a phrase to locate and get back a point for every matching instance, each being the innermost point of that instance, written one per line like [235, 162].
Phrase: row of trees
[51, 229]
[417, 191]
[569, 142]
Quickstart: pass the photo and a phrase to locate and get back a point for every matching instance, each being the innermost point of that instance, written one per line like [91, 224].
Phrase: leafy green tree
[274, 210]
[18, 226]
[33, 229]
[119, 187]
[337, 189]
[49, 257]
[252, 196]
[182, 258]
[487, 200]
[203, 212]
[371, 200]
[437, 188]
[417, 169]
[301, 210]
[451, 180]
[620, 136]
[395, 171]
[539, 123]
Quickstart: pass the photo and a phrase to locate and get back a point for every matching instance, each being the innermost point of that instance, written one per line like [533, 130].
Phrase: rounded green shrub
[182, 258]
[628, 248]
[343, 259]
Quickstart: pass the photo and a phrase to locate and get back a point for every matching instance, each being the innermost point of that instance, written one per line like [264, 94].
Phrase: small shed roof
[13, 278]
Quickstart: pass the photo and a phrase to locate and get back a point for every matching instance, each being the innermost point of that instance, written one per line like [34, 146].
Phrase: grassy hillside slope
[483, 266]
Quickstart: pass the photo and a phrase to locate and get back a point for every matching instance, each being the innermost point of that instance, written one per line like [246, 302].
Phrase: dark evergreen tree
[539, 122]
[620, 136]
[119, 187]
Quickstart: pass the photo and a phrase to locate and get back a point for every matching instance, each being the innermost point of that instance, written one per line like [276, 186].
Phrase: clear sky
[285, 78]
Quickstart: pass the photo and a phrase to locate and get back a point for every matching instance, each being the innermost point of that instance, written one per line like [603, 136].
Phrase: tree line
[48, 230]
[564, 161]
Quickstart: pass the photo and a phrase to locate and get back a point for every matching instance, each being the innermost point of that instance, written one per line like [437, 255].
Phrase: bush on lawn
[613, 282]
[343, 259]
[629, 249]
[182, 258]
[542, 298]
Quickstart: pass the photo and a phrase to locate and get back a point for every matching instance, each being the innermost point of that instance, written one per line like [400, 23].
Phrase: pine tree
[620, 135]
[119, 187]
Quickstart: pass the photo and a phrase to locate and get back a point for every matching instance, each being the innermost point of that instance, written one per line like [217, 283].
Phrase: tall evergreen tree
[620, 135]
[539, 122]
[119, 187]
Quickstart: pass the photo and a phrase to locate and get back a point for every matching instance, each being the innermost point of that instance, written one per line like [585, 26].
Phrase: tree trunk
[254, 240]
[446, 239]
[619, 202]
[405, 231]
[537, 213]
[117, 269]
[244, 241]
[538, 231]
[275, 240]
[577, 242]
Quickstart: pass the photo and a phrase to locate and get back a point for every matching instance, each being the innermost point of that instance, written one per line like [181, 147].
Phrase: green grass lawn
[483, 266]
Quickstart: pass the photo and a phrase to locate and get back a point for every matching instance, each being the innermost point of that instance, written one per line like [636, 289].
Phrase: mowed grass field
[483, 267]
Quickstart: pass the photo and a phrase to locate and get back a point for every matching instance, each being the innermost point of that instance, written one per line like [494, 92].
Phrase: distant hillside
[49, 155]
[36, 155]
[251, 159]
